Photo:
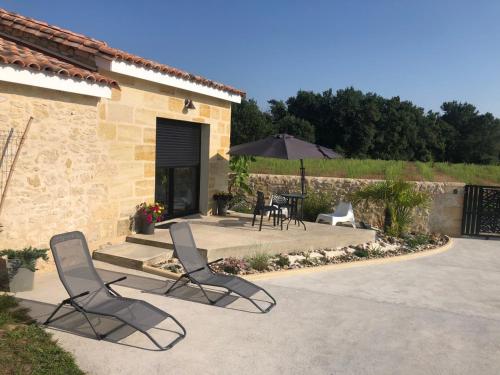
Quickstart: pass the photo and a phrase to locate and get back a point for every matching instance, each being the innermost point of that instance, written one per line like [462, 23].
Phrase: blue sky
[424, 51]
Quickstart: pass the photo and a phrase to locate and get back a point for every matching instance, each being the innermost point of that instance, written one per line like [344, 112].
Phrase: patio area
[434, 315]
[232, 236]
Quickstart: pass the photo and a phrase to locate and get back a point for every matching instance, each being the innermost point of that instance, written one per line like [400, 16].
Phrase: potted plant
[19, 266]
[150, 214]
[222, 199]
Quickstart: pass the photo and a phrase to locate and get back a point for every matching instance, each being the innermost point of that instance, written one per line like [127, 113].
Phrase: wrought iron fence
[481, 212]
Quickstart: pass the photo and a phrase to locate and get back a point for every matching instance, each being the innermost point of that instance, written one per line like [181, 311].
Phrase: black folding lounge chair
[199, 272]
[90, 295]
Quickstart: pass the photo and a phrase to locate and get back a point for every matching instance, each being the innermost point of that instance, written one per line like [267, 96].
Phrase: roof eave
[141, 72]
[15, 74]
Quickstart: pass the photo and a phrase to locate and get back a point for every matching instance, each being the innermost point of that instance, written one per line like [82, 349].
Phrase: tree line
[367, 125]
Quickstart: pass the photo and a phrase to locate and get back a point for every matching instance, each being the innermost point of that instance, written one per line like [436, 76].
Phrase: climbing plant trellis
[11, 142]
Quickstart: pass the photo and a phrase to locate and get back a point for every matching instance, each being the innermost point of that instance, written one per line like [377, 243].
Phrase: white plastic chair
[343, 213]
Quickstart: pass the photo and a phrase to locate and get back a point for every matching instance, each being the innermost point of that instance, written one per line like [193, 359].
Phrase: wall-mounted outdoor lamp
[188, 104]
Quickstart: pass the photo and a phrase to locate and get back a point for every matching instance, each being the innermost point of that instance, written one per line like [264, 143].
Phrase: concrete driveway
[434, 315]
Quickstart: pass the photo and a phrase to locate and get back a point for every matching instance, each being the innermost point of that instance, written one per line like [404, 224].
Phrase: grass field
[379, 169]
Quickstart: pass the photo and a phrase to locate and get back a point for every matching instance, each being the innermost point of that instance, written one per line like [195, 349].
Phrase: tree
[277, 109]
[476, 137]
[295, 126]
[283, 122]
[249, 123]
[366, 125]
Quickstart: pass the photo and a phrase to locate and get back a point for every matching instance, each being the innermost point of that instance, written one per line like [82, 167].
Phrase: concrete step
[160, 239]
[132, 255]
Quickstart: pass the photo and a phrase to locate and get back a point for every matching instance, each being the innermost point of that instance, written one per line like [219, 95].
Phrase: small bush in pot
[149, 214]
[222, 199]
[20, 268]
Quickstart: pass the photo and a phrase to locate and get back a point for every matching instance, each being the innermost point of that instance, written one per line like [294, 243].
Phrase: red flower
[149, 218]
[158, 219]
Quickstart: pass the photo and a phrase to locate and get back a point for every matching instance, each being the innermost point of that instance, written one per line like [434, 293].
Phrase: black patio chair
[262, 209]
[199, 272]
[88, 294]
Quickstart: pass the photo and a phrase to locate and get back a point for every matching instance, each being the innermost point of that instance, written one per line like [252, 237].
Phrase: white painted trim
[14, 74]
[137, 71]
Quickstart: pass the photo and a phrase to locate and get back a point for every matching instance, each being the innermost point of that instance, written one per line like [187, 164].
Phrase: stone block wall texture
[88, 162]
[127, 125]
[443, 216]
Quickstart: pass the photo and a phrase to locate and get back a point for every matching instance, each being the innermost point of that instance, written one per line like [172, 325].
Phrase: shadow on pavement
[154, 286]
[71, 321]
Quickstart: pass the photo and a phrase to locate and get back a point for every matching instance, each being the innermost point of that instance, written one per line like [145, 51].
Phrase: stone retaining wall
[443, 216]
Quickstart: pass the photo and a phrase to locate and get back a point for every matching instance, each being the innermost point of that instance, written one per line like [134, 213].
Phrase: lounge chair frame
[190, 277]
[72, 301]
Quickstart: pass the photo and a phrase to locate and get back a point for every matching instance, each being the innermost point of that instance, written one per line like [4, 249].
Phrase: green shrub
[315, 204]
[234, 265]
[239, 203]
[399, 199]
[308, 260]
[377, 251]
[282, 260]
[362, 253]
[238, 179]
[27, 257]
[259, 261]
[414, 241]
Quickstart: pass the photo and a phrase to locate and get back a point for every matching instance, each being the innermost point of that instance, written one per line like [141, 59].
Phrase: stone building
[110, 130]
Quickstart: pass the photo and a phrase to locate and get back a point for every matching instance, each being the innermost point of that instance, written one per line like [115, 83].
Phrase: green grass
[380, 169]
[425, 170]
[25, 348]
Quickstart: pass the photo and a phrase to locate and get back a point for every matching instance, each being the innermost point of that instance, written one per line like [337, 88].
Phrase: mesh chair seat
[137, 312]
[233, 283]
[90, 295]
[199, 272]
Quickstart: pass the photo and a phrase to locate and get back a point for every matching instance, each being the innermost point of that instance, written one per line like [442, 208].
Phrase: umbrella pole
[302, 177]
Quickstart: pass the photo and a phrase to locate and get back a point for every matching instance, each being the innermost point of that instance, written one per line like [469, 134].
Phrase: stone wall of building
[127, 124]
[53, 187]
[444, 214]
[88, 162]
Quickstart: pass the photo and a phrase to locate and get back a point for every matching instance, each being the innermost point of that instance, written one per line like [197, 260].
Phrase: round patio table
[295, 213]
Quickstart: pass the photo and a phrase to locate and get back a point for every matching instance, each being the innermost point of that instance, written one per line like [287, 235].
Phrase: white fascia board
[14, 74]
[137, 71]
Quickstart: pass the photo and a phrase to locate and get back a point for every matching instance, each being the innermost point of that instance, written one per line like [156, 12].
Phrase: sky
[424, 51]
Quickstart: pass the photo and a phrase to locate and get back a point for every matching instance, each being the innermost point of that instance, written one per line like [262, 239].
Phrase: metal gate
[481, 212]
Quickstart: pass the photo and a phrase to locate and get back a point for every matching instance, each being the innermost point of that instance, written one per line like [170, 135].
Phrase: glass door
[177, 188]
[178, 166]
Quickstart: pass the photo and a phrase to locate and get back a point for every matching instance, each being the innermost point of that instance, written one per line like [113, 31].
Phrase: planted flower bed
[384, 246]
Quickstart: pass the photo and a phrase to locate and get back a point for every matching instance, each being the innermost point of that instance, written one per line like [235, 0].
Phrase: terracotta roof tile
[14, 53]
[99, 48]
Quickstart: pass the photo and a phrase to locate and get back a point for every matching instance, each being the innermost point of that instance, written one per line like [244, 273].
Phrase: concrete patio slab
[233, 235]
[434, 315]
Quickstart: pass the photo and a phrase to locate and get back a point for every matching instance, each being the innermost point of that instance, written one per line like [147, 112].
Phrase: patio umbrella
[284, 146]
